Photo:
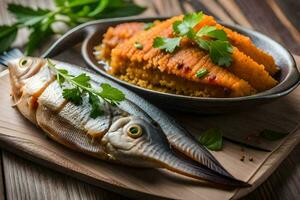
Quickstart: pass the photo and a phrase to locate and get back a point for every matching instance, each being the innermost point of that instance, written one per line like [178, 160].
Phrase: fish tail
[10, 55]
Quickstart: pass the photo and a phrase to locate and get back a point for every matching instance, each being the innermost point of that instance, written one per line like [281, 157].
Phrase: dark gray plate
[91, 34]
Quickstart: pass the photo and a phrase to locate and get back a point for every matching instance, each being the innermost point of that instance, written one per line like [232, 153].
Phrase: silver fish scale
[65, 133]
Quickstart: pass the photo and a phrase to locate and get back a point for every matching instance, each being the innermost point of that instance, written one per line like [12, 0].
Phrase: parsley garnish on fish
[76, 87]
[208, 38]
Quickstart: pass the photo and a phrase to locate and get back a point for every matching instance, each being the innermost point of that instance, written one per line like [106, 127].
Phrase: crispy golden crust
[116, 35]
[244, 77]
[245, 45]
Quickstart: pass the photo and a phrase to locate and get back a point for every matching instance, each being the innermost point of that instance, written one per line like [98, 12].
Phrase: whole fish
[38, 96]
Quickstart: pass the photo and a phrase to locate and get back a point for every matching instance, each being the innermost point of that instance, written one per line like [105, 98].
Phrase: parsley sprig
[42, 23]
[209, 38]
[77, 87]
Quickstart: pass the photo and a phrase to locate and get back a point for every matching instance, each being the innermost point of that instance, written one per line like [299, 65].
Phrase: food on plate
[67, 103]
[189, 55]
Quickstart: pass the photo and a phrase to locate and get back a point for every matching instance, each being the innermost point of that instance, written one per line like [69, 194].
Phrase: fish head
[135, 141]
[21, 69]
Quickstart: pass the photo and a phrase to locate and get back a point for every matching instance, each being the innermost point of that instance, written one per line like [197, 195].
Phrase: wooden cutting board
[23, 138]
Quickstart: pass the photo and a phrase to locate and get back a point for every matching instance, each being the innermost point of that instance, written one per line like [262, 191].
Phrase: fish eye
[134, 131]
[25, 62]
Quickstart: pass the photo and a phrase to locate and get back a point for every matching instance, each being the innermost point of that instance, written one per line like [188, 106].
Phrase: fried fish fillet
[245, 45]
[245, 76]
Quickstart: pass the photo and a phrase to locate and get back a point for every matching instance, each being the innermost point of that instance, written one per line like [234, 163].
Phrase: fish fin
[7, 56]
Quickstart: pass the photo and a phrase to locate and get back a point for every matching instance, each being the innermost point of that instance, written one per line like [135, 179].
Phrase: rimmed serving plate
[91, 35]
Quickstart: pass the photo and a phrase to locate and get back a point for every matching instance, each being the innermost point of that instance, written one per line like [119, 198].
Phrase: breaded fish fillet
[245, 45]
[116, 35]
[244, 77]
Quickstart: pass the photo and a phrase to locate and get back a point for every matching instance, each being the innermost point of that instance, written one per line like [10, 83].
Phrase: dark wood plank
[263, 18]
[2, 189]
[233, 10]
[26, 180]
[291, 10]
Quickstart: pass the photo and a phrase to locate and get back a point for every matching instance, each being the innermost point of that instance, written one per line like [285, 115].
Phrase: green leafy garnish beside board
[77, 87]
[208, 38]
[41, 22]
[212, 139]
[272, 135]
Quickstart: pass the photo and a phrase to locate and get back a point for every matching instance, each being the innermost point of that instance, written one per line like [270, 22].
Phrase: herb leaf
[192, 19]
[220, 52]
[213, 32]
[180, 28]
[185, 27]
[212, 139]
[35, 39]
[81, 86]
[96, 106]
[7, 36]
[201, 73]
[27, 15]
[167, 44]
[110, 93]
[138, 45]
[82, 80]
[70, 12]
[209, 38]
[149, 25]
[73, 95]
[272, 135]
[101, 6]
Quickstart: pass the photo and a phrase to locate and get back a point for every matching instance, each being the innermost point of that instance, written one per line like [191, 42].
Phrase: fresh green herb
[167, 44]
[185, 27]
[209, 38]
[7, 36]
[149, 25]
[272, 135]
[69, 12]
[80, 86]
[212, 139]
[212, 32]
[201, 73]
[138, 45]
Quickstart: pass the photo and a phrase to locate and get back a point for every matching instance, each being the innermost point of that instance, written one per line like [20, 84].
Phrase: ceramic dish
[91, 34]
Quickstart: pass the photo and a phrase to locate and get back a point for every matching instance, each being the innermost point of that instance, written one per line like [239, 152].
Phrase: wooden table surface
[280, 19]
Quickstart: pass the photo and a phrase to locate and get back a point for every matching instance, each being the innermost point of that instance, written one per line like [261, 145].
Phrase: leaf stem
[69, 78]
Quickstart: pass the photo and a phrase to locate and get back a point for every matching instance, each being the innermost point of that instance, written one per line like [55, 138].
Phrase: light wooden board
[20, 136]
